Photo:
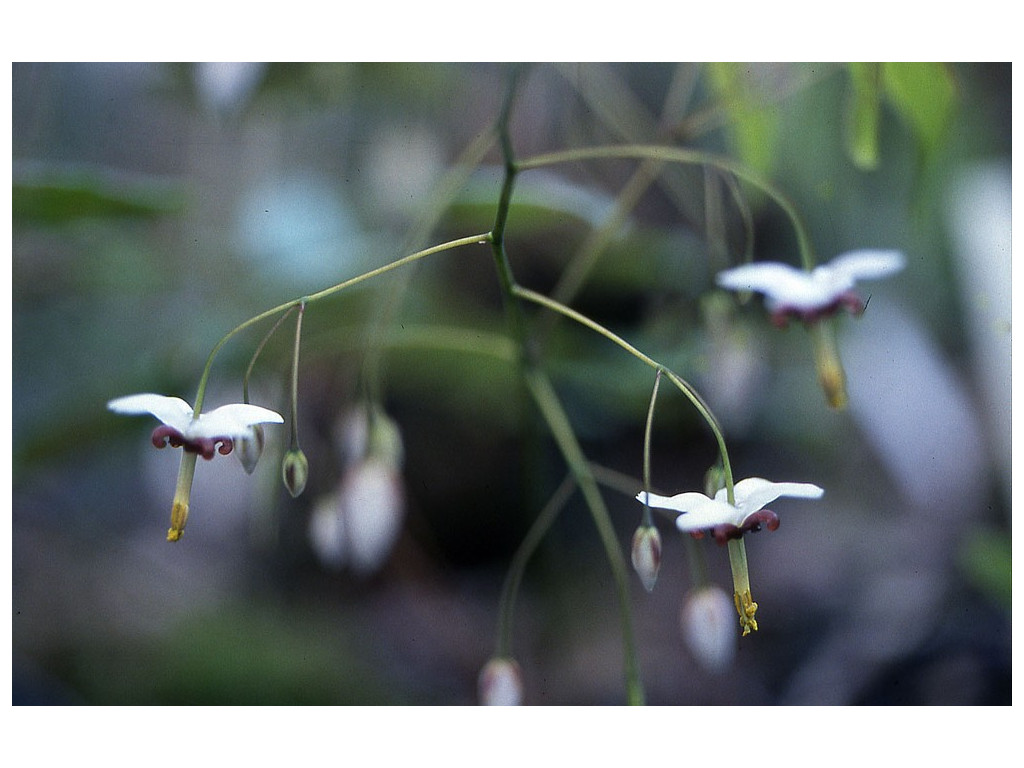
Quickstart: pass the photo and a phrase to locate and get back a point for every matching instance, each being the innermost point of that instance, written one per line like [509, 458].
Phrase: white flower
[197, 434]
[727, 521]
[809, 296]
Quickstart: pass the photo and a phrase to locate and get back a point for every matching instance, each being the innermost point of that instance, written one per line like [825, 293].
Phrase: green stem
[295, 379]
[470, 240]
[554, 415]
[437, 203]
[501, 260]
[647, 446]
[684, 386]
[551, 409]
[514, 578]
[688, 157]
[258, 352]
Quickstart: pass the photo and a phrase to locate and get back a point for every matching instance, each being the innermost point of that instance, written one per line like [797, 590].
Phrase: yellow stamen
[830, 368]
[179, 514]
[746, 608]
[182, 492]
[745, 605]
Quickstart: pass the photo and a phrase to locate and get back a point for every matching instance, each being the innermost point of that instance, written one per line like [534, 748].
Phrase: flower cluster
[356, 525]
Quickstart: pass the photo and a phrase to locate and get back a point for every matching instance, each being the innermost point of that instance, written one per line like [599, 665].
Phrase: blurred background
[157, 206]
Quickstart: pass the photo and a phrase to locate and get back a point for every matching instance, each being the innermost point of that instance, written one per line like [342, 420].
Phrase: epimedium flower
[811, 295]
[700, 513]
[814, 295]
[728, 521]
[201, 434]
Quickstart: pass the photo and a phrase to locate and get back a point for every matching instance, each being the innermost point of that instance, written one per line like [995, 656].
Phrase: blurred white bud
[327, 531]
[356, 526]
[708, 622]
[647, 555]
[352, 435]
[362, 433]
[500, 683]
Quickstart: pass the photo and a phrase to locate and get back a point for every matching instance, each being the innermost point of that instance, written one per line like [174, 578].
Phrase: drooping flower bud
[708, 625]
[646, 555]
[250, 448]
[356, 526]
[500, 683]
[295, 471]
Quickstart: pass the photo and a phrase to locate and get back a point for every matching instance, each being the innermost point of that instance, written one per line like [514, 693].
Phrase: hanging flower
[728, 522]
[204, 434]
[723, 520]
[812, 295]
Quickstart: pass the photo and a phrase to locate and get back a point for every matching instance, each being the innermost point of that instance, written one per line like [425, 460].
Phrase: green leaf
[45, 194]
[986, 558]
[924, 95]
[753, 122]
[863, 116]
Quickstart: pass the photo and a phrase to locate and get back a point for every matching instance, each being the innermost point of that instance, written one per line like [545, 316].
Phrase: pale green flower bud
[647, 555]
[708, 623]
[501, 683]
[295, 471]
[714, 480]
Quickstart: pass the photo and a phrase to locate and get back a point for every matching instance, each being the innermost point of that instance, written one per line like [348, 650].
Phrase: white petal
[753, 493]
[781, 284]
[232, 420]
[172, 411]
[868, 264]
[698, 511]
[707, 513]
